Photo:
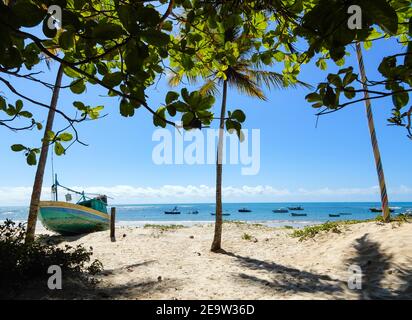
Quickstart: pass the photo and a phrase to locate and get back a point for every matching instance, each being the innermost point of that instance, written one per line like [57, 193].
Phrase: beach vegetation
[247, 236]
[309, 232]
[24, 263]
[163, 227]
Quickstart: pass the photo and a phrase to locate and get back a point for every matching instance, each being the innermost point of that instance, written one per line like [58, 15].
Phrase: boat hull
[71, 219]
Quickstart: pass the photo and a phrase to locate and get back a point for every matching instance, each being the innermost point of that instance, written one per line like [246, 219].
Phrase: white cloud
[125, 194]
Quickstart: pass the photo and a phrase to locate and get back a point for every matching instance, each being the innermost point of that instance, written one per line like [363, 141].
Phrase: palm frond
[245, 84]
[209, 88]
[274, 79]
[174, 79]
[267, 78]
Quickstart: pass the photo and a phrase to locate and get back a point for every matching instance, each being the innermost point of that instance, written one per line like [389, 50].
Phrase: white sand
[149, 264]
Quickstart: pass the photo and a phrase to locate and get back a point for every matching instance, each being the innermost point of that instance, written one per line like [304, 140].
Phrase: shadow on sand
[381, 278]
[285, 279]
[103, 288]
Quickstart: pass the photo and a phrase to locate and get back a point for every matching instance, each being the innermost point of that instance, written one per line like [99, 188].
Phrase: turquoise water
[261, 212]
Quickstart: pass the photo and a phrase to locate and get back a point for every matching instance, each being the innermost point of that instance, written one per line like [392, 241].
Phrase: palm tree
[38, 180]
[247, 78]
[374, 140]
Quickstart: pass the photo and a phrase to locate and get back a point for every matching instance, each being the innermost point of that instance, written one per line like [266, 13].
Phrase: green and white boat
[87, 215]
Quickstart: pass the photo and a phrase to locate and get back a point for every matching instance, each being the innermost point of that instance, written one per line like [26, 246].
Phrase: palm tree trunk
[376, 152]
[217, 239]
[38, 180]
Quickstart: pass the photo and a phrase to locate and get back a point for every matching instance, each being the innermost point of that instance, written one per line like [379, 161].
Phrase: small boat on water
[244, 210]
[87, 215]
[193, 212]
[334, 215]
[298, 214]
[223, 214]
[173, 211]
[380, 210]
[281, 210]
[296, 208]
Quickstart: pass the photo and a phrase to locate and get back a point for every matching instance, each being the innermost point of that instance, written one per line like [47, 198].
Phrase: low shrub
[22, 264]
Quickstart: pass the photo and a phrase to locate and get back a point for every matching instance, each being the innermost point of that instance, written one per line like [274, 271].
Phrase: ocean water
[317, 212]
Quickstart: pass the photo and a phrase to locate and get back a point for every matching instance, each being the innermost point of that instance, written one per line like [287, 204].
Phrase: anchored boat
[87, 215]
[281, 210]
[244, 210]
[380, 210]
[223, 214]
[173, 211]
[298, 214]
[296, 208]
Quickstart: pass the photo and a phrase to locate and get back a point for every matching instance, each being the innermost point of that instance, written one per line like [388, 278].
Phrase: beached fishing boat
[380, 210]
[87, 215]
[296, 208]
[298, 214]
[173, 211]
[281, 210]
[334, 215]
[244, 210]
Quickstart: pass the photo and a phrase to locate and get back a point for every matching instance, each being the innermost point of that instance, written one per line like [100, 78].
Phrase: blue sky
[298, 162]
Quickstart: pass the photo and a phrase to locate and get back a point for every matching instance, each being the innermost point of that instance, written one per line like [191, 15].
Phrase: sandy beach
[149, 263]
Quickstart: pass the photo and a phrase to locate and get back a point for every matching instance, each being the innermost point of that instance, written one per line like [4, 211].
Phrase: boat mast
[56, 197]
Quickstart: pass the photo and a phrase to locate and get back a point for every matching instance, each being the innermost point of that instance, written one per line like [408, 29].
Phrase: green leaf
[2, 103]
[330, 98]
[107, 31]
[350, 92]
[19, 106]
[239, 115]
[313, 97]
[171, 96]
[321, 63]
[58, 148]
[79, 105]
[400, 99]
[71, 73]
[17, 147]
[113, 79]
[187, 119]
[28, 14]
[26, 114]
[31, 159]
[126, 108]
[65, 136]
[158, 118]
[155, 37]
[77, 86]
[66, 40]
